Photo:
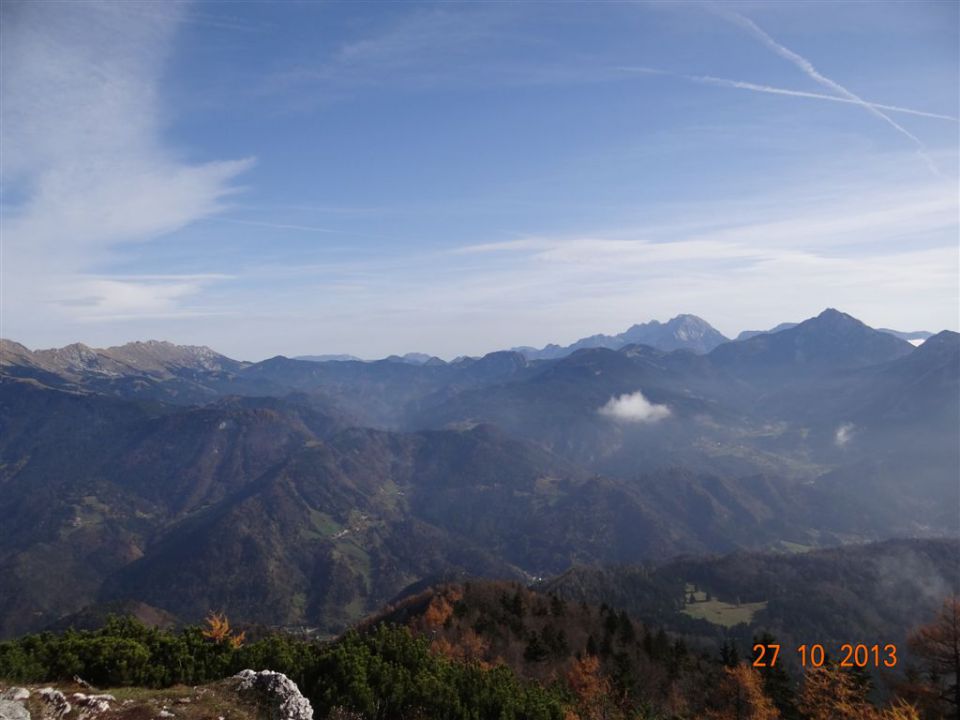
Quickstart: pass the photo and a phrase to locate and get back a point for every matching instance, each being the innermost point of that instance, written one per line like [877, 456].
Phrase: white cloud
[425, 48]
[843, 435]
[634, 408]
[85, 163]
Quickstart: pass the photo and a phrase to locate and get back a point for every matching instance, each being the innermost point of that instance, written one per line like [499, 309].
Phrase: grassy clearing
[321, 526]
[796, 548]
[716, 611]
[206, 702]
[722, 613]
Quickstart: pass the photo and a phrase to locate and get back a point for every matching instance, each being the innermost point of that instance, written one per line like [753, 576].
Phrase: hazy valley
[303, 493]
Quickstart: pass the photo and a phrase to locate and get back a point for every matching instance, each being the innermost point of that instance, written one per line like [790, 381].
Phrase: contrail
[810, 71]
[724, 82]
[277, 226]
[743, 85]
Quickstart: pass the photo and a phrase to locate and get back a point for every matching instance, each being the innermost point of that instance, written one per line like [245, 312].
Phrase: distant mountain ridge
[152, 357]
[411, 358]
[160, 357]
[329, 358]
[910, 336]
[832, 340]
[747, 334]
[684, 332]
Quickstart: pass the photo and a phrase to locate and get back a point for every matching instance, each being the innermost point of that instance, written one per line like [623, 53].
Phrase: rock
[92, 703]
[277, 692]
[12, 710]
[166, 714]
[55, 701]
[17, 694]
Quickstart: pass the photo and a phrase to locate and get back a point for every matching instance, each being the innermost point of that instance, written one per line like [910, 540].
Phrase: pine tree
[777, 683]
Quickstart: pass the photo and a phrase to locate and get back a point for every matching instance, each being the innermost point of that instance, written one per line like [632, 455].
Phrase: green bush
[384, 673]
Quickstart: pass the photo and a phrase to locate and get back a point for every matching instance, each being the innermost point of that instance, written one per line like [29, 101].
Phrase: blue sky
[372, 178]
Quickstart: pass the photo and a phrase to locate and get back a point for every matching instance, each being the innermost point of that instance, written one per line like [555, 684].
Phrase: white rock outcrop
[277, 692]
[17, 694]
[55, 701]
[13, 710]
[89, 704]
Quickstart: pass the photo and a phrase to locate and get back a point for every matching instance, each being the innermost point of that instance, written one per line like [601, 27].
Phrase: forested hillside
[861, 593]
[486, 650]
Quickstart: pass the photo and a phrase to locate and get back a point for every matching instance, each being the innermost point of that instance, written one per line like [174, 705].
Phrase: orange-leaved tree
[831, 693]
[740, 696]
[590, 686]
[218, 630]
[938, 646]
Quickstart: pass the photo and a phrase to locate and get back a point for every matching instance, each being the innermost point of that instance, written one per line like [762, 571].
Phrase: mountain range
[683, 332]
[915, 337]
[294, 492]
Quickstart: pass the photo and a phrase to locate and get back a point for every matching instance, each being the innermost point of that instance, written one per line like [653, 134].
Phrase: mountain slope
[77, 508]
[830, 342]
[271, 509]
[193, 484]
[747, 334]
[867, 593]
[346, 523]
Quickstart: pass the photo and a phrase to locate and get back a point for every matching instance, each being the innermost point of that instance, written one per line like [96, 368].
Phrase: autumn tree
[830, 693]
[938, 646]
[441, 607]
[900, 711]
[590, 686]
[740, 696]
[469, 647]
[218, 629]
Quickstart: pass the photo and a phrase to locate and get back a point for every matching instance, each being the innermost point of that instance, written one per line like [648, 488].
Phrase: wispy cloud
[401, 52]
[789, 255]
[444, 46]
[810, 71]
[808, 224]
[84, 166]
[277, 226]
[843, 435]
[120, 297]
[111, 298]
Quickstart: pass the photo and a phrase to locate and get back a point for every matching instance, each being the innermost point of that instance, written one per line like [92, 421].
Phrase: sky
[456, 178]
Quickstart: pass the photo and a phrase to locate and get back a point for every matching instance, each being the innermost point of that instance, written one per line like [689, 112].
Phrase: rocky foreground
[249, 695]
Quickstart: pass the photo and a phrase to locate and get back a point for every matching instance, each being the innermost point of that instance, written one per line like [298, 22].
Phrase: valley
[305, 493]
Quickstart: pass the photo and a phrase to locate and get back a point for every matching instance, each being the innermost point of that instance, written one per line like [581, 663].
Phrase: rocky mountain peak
[683, 332]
